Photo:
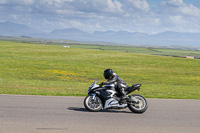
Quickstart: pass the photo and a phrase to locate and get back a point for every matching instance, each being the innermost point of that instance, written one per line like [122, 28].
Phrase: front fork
[93, 95]
[94, 99]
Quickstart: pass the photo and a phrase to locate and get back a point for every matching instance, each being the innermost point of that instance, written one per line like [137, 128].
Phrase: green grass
[142, 50]
[32, 69]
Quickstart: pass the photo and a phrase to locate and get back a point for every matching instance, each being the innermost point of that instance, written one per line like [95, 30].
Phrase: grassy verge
[32, 69]
[142, 50]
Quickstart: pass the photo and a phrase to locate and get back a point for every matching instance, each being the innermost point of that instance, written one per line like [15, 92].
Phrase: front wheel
[139, 105]
[93, 103]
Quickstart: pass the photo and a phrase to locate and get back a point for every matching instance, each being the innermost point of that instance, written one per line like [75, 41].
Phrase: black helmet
[108, 73]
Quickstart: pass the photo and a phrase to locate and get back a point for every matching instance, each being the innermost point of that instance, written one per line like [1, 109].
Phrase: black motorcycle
[100, 97]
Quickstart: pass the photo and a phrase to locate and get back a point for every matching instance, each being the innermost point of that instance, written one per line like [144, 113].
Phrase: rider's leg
[124, 97]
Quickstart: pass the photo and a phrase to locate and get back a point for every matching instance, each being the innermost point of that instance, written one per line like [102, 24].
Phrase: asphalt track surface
[49, 114]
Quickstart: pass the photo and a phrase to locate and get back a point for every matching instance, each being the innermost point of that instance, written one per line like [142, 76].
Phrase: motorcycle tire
[93, 105]
[140, 106]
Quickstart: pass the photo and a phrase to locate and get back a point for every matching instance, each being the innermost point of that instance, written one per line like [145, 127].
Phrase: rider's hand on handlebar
[103, 83]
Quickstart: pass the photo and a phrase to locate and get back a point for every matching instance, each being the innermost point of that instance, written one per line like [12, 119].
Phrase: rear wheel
[93, 103]
[139, 104]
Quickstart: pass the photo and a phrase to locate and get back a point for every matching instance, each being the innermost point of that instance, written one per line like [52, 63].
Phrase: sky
[147, 16]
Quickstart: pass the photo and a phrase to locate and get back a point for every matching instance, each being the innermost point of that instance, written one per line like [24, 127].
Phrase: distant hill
[70, 33]
[122, 37]
[13, 29]
[164, 38]
[177, 38]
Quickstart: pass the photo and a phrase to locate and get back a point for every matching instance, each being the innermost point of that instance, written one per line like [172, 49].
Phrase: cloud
[77, 6]
[16, 2]
[103, 6]
[179, 16]
[175, 2]
[137, 5]
[91, 15]
[180, 8]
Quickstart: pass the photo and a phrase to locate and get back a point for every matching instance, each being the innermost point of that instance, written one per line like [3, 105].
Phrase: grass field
[142, 50]
[33, 69]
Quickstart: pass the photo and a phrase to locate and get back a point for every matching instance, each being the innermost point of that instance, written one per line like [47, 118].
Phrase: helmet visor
[106, 75]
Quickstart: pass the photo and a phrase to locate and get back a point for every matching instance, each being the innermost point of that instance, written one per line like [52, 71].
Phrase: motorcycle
[100, 98]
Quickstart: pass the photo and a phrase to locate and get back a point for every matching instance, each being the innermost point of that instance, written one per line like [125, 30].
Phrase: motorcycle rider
[120, 85]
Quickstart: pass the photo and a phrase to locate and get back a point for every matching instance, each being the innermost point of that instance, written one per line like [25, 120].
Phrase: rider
[120, 85]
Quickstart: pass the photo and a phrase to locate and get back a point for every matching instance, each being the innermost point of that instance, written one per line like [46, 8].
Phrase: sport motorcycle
[104, 97]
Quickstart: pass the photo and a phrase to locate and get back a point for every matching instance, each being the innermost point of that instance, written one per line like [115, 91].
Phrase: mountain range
[168, 38]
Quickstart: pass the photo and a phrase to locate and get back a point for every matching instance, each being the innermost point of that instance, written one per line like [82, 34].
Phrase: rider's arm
[113, 80]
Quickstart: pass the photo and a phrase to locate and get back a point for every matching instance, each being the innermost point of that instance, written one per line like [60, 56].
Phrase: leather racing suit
[120, 85]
